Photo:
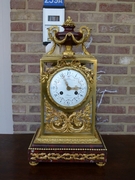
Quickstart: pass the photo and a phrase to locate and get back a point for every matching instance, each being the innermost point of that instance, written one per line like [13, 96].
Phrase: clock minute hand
[68, 87]
[65, 81]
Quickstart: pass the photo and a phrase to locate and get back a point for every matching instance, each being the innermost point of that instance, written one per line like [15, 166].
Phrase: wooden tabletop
[14, 163]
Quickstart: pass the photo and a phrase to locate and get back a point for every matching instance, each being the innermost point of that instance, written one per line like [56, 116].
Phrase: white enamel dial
[68, 88]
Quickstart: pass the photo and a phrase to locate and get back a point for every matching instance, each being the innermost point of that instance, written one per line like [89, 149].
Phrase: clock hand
[65, 80]
[68, 87]
[75, 88]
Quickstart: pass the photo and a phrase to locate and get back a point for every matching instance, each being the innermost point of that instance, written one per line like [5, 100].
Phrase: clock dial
[68, 88]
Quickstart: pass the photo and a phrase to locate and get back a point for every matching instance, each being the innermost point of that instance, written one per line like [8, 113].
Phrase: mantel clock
[68, 103]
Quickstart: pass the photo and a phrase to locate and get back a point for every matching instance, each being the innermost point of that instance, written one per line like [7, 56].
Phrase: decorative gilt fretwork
[60, 122]
[67, 156]
[63, 63]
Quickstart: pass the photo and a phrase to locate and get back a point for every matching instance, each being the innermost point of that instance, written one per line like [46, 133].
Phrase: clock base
[67, 153]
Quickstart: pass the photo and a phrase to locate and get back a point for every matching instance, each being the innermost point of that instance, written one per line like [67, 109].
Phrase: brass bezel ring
[71, 108]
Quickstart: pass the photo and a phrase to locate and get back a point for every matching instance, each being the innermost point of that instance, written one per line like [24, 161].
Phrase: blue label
[54, 3]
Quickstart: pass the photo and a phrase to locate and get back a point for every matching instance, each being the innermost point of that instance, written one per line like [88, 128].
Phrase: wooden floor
[14, 164]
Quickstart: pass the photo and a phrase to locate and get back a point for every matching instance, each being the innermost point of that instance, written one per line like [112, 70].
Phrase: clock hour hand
[72, 88]
[68, 87]
[75, 88]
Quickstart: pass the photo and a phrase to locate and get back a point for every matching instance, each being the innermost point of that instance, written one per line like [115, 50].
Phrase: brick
[26, 79]
[18, 68]
[102, 119]
[112, 109]
[113, 70]
[73, 15]
[105, 100]
[123, 119]
[26, 58]
[18, 47]
[113, 89]
[78, 49]
[114, 28]
[124, 80]
[23, 15]
[18, 26]
[34, 89]
[26, 118]
[20, 127]
[26, 37]
[133, 29]
[34, 109]
[91, 49]
[80, 6]
[18, 89]
[104, 59]
[35, 4]
[35, 26]
[124, 39]
[104, 80]
[131, 128]
[113, 49]
[132, 70]
[36, 48]
[134, 50]
[123, 99]
[19, 108]
[124, 18]
[132, 90]
[91, 26]
[17, 4]
[96, 17]
[101, 39]
[26, 98]
[131, 110]
[124, 60]
[107, 7]
[33, 68]
[34, 127]
[110, 128]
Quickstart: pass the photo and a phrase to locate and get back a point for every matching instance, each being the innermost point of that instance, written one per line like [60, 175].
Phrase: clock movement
[68, 103]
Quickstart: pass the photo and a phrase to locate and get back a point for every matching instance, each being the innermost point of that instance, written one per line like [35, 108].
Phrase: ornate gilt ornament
[67, 156]
[60, 122]
[53, 33]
